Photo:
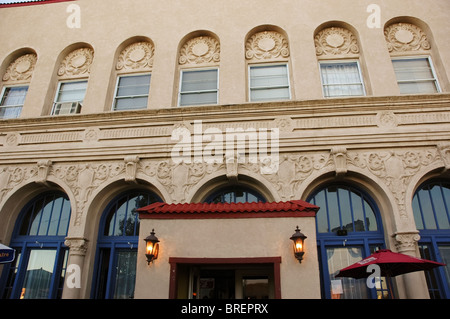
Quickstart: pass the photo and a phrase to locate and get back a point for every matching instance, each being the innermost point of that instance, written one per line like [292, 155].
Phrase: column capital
[77, 245]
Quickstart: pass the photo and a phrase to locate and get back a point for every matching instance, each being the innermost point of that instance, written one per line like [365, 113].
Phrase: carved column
[75, 265]
[415, 283]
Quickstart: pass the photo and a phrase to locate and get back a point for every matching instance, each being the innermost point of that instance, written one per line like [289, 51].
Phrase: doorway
[238, 278]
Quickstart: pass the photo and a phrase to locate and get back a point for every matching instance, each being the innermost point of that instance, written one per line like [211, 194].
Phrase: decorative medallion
[200, 50]
[137, 56]
[266, 45]
[402, 37]
[77, 63]
[336, 41]
[21, 69]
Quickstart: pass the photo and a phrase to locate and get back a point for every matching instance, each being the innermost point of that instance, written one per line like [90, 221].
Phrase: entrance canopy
[7, 254]
[294, 208]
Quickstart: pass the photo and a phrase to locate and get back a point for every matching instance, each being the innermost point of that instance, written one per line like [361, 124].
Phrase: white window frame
[12, 106]
[130, 96]
[337, 62]
[201, 91]
[433, 70]
[269, 87]
[78, 105]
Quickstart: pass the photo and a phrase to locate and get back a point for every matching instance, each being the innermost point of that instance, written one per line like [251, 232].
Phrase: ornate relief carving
[21, 69]
[136, 57]
[406, 241]
[444, 151]
[336, 41]
[77, 245]
[387, 119]
[395, 168]
[402, 37]
[200, 50]
[43, 170]
[340, 159]
[77, 63]
[131, 164]
[267, 45]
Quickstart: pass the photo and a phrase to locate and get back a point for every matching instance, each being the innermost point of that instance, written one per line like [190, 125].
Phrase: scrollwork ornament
[77, 63]
[200, 50]
[21, 69]
[336, 41]
[403, 37]
[137, 56]
[266, 45]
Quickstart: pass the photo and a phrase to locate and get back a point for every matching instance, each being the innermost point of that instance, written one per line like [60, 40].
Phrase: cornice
[249, 111]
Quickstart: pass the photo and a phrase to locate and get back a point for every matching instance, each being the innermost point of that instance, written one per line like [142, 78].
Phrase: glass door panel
[125, 276]
[39, 274]
[341, 287]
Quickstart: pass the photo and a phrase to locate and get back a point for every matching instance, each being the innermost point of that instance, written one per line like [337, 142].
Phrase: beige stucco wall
[106, 24]
[387, 144]
[230, 238]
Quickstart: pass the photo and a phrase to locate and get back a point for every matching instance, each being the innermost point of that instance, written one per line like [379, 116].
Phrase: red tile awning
[293, 208]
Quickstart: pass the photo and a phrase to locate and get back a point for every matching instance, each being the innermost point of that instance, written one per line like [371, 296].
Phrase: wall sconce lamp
[298, 238]
[152, 247]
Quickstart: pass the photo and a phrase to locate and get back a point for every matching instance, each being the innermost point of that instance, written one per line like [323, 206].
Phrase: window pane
[203, 80]
[133, 85]
[14, 96]
[72, 91]
[269, 94]
[341, 79]
[268, 76]
[131, 103]
[415, 76]
[345, 288]
[125, 274]
[198, 98]
[39, 274]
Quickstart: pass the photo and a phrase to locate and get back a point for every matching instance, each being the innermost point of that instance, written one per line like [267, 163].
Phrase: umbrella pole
[388, 279]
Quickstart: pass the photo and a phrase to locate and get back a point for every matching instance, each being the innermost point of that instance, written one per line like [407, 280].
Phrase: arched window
[344, 208]
[348, 229]
[41, 257]
[431, 207]
[238, 194]
[117, 245]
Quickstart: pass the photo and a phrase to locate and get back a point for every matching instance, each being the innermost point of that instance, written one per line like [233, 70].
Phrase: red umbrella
[391, 264]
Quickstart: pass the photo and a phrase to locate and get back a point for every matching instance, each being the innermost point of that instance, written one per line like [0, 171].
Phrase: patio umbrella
[391, 264]
[7, 254]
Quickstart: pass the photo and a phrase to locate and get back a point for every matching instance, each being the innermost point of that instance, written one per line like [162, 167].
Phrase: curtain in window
[125, 274]
[341, 79]
[12, 102]
[39, 274]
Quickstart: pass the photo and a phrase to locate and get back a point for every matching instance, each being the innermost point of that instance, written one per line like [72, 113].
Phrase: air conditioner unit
[65, 108]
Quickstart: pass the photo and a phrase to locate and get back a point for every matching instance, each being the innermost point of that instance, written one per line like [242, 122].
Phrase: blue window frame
[235, 194]
[41, 257]
[349, 229]
[115, 269]
[431, 207]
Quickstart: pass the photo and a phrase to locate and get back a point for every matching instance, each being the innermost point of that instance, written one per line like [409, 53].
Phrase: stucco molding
[200, 51]
[136, 57]
[404, 37]
[21, 69]
[336, 41]
[77, 63]
[266, 46]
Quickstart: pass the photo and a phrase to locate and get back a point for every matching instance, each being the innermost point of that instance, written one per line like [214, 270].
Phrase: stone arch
[209, 184]
[359, 178]
[18, 197]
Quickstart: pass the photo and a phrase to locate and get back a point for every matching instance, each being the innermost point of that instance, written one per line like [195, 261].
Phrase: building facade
[110, 106]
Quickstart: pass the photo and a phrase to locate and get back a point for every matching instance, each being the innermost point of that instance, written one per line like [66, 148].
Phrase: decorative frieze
[266, 46]
[335, 41]
[77, 63]
[21, 69]
[200, 50]
[404, 37]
